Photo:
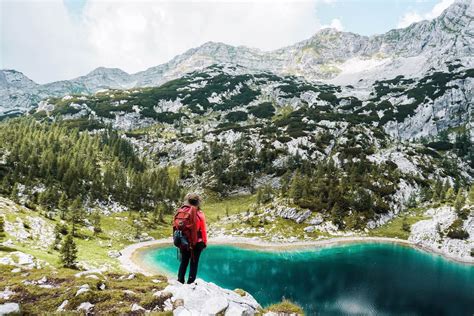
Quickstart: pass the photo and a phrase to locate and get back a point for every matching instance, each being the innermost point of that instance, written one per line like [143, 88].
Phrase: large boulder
[9, 308]
[206, 298]
[299, 216]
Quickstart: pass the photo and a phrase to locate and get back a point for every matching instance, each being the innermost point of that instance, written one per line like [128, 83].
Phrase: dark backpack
[184, 227]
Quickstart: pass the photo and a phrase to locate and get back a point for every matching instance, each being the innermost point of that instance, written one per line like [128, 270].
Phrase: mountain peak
[107, 71]
[11, 77]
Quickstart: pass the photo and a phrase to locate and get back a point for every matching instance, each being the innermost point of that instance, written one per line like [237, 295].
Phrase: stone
[8, 243]
[43, 280]
[88, 272]
[62, 307]
[129, 292]
[182, 311]
[168, 305]
[114, 254]
[6, 294]
[206, 298]
[235, 309]
[316, 220]
[82, 289]
[23, 258]
[9, 308]
[7, 260]
[136, 308]
[86, 307]
[309, 229]
[215, 305]
[178, 302]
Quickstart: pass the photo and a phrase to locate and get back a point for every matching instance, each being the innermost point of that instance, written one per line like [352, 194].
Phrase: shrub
[285, 307]
[263, 110]
[456, 230]
[237, 116]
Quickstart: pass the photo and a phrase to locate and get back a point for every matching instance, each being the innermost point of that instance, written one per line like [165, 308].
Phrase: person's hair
[194, 202]
[193, 199]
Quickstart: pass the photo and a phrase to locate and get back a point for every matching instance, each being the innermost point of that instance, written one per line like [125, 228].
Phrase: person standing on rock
[189, 235]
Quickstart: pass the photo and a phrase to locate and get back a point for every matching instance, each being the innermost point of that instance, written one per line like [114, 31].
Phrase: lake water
[355, 279]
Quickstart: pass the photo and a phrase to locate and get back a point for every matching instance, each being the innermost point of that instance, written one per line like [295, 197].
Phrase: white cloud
[140, 35]
[335, 24]
[47, 43]
[40, 39]
[411, 17]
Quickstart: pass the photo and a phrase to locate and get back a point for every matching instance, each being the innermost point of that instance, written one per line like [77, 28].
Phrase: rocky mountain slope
[337, 57]
[236, 130]
[226, 94]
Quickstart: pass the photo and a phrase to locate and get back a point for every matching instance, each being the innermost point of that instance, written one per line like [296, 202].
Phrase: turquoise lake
[355, 279]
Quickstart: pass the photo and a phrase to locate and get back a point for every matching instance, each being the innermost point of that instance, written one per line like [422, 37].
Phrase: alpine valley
[340, 135]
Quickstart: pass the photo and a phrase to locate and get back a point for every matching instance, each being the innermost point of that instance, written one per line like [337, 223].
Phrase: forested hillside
[60, 168]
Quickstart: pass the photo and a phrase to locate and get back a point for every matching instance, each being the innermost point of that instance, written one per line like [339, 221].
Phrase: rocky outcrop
[206, 298]
[431, 234]
[9, 308]
[21, 260]
[299, 216]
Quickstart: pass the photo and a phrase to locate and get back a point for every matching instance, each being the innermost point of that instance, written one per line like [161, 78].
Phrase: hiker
[189, 235]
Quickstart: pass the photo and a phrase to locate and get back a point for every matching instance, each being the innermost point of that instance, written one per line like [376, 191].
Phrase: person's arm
[203, 228]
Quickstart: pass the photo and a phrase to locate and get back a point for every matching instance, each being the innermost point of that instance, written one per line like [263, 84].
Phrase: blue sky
[63, 39]
[370, 17]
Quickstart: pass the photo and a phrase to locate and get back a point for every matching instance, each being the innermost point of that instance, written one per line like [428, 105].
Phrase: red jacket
[201, 226]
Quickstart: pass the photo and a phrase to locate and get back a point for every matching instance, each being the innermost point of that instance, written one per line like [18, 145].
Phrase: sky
[51, 40]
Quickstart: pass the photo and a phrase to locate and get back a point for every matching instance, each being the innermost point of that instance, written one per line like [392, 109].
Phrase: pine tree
[14, 194]
[2, 228]
[471, 194]
[58, 235]
[337, 214]
[76, 215]
[182, 170]
[63, 205]
[405, 225]
[450, 195]
[96, 223]
[446, 191]
[259, 196]
[459, 203]
[296, 187]
[69, 252]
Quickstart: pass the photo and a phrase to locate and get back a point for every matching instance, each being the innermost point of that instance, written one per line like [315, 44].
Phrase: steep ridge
[337, 57]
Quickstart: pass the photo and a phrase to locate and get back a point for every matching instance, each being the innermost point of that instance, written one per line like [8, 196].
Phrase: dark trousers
[186, 256]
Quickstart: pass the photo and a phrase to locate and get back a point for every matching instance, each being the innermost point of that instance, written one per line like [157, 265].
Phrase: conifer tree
[76, 215]
[459, 204]
[2, 228]
[96, 223]
[14, 194]
[182, 170]
[58, 235]
[450, 195]
[296, 187]
[471, 194]
[63, 205]
[69, 252]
